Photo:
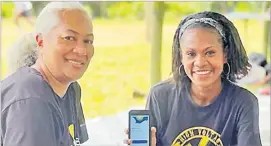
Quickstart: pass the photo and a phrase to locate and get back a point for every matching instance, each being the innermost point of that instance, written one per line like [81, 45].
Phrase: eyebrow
[204, 48]
[90, 34]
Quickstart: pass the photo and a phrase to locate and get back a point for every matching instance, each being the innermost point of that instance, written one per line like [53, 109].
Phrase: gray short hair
[24, 52]
[48, 17]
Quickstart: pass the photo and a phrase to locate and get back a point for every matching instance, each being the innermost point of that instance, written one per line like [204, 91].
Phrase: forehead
[76, 20]
[200, 36]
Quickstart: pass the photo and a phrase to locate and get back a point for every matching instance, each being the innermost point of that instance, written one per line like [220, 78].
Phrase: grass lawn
[121, 61]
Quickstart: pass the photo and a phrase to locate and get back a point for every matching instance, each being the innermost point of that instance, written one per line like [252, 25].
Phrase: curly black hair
[232, 47]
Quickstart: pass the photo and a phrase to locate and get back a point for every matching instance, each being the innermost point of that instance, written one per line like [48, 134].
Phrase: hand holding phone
[153, 137]
[139, 128]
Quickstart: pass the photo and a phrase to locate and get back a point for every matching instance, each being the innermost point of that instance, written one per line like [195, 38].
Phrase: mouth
[76, 63]
[202, 72]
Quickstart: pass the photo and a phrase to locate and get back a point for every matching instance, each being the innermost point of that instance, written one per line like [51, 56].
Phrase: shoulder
[164, 86]
[241, 96]
[23, 84]
[164, 90]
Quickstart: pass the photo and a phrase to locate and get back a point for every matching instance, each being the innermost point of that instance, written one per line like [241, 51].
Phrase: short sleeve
[248, 126]
[29, 122]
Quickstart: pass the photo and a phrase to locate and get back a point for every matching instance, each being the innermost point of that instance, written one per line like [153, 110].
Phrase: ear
[39, 40]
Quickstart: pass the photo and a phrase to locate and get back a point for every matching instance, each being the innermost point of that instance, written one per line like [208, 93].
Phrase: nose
[80, 48]
[200, 61]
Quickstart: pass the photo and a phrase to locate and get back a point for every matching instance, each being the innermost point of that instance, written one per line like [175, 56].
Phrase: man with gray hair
[38, 105]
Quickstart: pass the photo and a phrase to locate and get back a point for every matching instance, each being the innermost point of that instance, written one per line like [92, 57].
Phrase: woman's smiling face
[202, 55]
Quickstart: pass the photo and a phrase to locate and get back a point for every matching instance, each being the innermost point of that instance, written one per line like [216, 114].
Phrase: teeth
[75, 62]
[202, 72]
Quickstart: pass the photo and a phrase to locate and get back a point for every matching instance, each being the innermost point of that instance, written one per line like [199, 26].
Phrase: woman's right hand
[153, 137]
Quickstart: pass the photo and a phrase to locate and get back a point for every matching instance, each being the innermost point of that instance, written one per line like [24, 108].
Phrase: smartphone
[139, 127]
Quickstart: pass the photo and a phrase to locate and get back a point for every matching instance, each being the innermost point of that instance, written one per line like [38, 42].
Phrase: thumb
[153, 136]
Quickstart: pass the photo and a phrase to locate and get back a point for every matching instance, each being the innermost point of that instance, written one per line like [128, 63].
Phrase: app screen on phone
[139, 126]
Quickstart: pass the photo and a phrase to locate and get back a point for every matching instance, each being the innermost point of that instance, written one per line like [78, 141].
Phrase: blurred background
[133, 43]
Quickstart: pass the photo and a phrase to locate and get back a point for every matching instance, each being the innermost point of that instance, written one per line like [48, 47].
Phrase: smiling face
[68, 48]
[202, 56]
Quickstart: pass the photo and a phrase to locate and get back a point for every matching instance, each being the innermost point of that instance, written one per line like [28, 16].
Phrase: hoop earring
[229, 70]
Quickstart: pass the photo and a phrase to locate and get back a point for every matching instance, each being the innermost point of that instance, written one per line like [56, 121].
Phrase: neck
[59, 88]
[205, 95]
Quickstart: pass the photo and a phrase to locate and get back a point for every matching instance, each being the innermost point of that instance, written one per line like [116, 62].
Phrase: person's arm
[248, 126]
[29, 122]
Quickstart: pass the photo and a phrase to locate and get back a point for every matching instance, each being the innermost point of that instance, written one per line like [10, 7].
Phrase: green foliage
[126, 9]
[249, 7]
[7, 9]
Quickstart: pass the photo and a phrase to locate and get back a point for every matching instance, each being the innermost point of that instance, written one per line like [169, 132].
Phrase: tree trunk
[157, 17]
[266, 40]
[147, 17]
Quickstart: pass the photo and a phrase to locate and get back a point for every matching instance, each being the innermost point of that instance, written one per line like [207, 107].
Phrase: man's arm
[29, 122]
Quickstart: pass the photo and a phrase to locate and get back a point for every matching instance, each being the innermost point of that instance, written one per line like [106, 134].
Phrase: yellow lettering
[209, 133]
[181, 139]
[199, 131]
[203, 132]
[187, 134]
[215, 137]
[217, 140]
[191, 132]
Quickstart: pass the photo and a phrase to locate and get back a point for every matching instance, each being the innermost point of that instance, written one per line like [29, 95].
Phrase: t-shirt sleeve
[29, 122]
[248, 126]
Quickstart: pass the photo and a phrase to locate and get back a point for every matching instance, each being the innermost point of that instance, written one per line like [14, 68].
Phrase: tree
[266, 41]
[157, 17]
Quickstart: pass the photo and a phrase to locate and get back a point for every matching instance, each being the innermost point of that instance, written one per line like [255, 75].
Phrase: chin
[74, 77]
[202, 83]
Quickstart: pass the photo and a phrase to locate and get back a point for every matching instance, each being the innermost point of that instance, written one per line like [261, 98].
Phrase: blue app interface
[139, 126]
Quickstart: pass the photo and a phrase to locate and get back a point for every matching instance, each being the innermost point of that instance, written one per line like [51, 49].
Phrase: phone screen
[139, 130]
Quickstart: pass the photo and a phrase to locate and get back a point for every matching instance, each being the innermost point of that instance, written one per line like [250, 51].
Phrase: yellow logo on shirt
[206, 135]
[71, 130]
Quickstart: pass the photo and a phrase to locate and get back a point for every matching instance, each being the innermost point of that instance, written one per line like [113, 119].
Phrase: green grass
[121, 61]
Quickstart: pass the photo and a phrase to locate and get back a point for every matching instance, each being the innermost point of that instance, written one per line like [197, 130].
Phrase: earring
[229, 70]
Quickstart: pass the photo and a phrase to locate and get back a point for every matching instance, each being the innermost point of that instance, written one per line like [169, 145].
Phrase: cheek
[90, 51]
[188, 65]
[217, 65]
[64, 47]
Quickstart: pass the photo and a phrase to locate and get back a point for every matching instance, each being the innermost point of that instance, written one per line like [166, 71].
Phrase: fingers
[153, 131]
[153, 136]
[126, 131]
[127, 141]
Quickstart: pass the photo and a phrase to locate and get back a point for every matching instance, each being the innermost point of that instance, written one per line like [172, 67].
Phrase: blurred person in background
[41, 99]
[23, 10]
[259, 74]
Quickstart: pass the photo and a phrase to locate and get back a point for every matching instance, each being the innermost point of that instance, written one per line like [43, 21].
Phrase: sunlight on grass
[121, 61]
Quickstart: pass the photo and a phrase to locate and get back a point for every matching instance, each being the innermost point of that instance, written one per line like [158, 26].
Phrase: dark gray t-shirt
[32, 114]
[231, 119]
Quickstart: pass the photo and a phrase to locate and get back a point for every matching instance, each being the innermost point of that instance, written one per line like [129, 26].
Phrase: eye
[69, 38]
[209, 53]
[190, 54]
[88, 41]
